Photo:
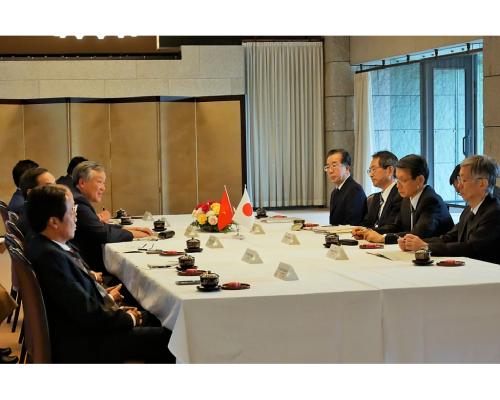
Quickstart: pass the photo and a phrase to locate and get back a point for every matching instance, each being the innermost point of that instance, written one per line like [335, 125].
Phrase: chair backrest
[369, 200]
[12, 241]
[4, 211]
[36, 328]
[3, 203]
[13, 216]
[10, 227]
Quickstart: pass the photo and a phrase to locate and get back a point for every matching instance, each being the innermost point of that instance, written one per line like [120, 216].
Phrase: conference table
[365, 309]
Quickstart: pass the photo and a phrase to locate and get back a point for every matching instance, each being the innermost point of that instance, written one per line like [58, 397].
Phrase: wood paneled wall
[162, 157]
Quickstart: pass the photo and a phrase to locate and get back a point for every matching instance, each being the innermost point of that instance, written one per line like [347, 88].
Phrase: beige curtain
[285, 145]
[363, 130]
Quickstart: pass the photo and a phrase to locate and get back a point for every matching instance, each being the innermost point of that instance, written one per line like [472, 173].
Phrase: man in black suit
[385, 205]
[32, 178]
[83, 329]
[423, 212]
[17, 201]
[477, 234]
[348, 200]
[68, 179]
[91, 233]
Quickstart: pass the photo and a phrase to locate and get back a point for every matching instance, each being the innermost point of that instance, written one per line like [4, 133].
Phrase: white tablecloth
[363, 310]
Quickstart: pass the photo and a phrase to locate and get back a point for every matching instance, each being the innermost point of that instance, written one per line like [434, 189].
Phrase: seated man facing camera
[423, 212]
[477, 234]
[91, 234]
[17, 201]
[83, 329]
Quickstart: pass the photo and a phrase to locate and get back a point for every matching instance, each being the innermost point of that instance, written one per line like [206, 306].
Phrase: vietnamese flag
[226, 211]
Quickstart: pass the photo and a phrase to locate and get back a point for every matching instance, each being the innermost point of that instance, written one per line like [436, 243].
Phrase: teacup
[159, 224]
[126, 220]
[186, 262]
[332, 238]
[423, 255]
[120, 213]
[261, 212]
[209, 280]
[193, 244]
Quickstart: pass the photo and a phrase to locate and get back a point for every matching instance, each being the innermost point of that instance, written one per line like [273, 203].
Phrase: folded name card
[190, 232]
[214, 243]
[337, 253]
[290, 238]
[251, 257]
[286, 272]
[148, 216]
[257, 229]
[165, 220]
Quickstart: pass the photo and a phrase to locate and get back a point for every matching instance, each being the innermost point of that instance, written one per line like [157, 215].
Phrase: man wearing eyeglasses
[477, 234]
[423, 211]
[385, 205]
[348, 200]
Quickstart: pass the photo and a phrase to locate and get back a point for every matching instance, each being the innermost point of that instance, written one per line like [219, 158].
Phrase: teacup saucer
[180, 269]
[418, 262]
[199, 250]
[198, 273]
[179, 253]
[329, 244]
[159, 229]
[213, 289]
[261, 216]
[125, 223]
[242, 286]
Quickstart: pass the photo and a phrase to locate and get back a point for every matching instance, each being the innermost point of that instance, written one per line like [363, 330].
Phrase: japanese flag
[244, 213]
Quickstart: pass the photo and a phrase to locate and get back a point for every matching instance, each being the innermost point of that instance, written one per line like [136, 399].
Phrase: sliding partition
[160, 155]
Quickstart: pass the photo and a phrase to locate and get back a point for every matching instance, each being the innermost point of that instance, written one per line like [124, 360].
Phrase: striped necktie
[379, 210]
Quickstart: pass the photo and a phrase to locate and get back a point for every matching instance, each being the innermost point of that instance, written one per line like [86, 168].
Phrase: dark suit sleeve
[395, 209]
[428, 219]
[89, 225]
[355, 206]
[60, 287]
[480, 240]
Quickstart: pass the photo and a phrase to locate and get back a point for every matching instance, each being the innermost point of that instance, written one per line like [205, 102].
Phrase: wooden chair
[13, 217]
[369, 200]
[37, 339]
[4, 211]
[10, 227]
[14, 291]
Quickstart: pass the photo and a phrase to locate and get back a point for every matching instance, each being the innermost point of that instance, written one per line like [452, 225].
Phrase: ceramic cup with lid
[159, 224]
[193, 244]
[126, 220]
[422, 255]
[332, 238]
[120, 213]
[209, 280]
[186, 261]
[261, 212]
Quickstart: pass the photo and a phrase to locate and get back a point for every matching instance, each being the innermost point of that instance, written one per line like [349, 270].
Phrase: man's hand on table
[139, 232]
[358, 232]
[137, 314]
[373, 236]
[413, 242]
[114, 292]
[104, 216]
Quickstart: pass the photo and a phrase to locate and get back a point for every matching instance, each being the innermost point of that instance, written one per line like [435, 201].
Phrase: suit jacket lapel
[463, 224]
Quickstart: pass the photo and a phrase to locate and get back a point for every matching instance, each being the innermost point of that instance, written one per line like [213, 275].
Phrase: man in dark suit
[477, 234]
[91, 233]
[17, 201]
[68, 179]
[83, 329]
[385, 205]
[32, 178]
[348, 200]
[423, 211]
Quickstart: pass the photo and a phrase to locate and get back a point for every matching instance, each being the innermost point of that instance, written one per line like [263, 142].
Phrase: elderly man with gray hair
[477, 234]
[91, 233]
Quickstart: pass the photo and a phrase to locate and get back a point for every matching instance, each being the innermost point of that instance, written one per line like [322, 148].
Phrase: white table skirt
[363, 310]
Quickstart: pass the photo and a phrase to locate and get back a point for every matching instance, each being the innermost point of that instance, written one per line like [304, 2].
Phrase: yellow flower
[202, 219]
[215, 207]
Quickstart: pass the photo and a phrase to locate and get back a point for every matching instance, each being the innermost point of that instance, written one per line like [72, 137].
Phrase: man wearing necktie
[348, 199]
[423, 211]
[84, 325]
[385, 205]
[477, 234]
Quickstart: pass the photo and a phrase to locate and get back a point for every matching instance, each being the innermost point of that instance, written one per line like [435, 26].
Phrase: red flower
[204, 207]
[212, 202]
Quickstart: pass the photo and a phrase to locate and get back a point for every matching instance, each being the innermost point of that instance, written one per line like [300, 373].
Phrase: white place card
[286, 272]
[251, 257]
[165, 220]
[257, 229]
[337, 253]
[290, 238]
[190, 232]
[147, 216]
[214, 243]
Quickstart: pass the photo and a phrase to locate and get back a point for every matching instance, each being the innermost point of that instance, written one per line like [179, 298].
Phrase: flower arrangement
[207, 217]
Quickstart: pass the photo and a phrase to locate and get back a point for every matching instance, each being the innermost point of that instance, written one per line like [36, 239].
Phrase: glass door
[448, 129]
